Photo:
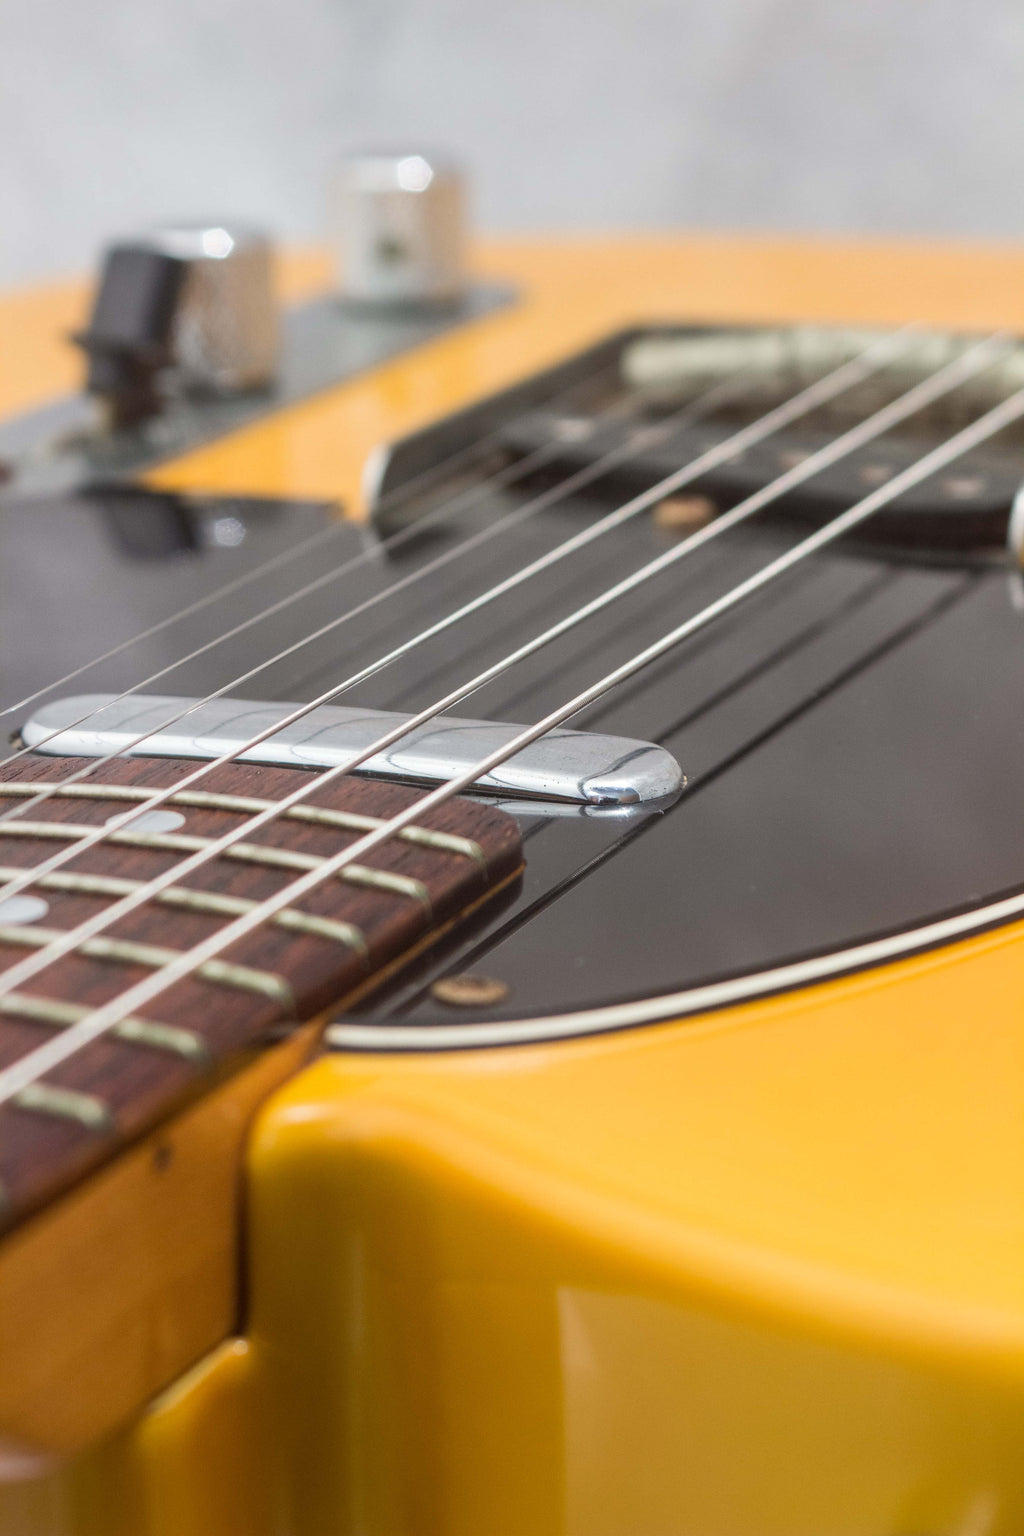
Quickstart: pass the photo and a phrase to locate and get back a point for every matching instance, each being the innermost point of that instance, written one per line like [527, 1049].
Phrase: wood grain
[40, 1154]
[115, 1289]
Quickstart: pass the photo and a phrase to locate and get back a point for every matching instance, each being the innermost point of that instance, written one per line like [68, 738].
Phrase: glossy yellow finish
[575, 291]
[761, 1272]
[754, 1274]
[152, 1243]
[38, 361]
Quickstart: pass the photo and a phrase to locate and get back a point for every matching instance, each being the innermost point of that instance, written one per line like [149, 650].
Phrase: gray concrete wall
[873, 115]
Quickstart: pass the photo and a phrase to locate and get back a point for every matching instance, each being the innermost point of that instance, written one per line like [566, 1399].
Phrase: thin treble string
[318, 583]
[822, 389]
[416, 483]
[506, 476]
[635, 444]
[531, 462]
[943, 381]
[402, 493]
[322, 536]
[60, 1048]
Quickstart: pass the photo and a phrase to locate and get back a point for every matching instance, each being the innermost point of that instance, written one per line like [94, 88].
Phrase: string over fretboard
[333, 943]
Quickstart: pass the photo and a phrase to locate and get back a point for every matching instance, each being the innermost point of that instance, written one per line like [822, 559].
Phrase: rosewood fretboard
[336, 941]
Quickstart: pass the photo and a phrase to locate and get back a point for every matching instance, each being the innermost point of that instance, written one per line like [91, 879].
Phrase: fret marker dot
[154, 821]
[23, 909]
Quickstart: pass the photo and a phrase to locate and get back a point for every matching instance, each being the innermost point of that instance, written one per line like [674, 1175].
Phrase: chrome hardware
[226, 330]
[1015, 529]
[398, 221]
[575, 766]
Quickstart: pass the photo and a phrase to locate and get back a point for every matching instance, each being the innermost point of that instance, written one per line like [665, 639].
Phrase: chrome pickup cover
[578, 767]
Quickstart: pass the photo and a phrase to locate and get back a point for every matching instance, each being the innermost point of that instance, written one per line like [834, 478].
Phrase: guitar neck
[337, 943]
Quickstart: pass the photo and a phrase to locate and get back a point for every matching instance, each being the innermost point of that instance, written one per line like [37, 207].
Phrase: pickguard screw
[680, 514]
[469, 991]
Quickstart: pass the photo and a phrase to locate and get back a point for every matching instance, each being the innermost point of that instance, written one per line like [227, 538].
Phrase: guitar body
[749, 1269]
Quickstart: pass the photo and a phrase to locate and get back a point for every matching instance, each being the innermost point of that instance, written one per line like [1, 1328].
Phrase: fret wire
[249, 805]
[394, 498]
[264, 854]
[153, 956]
[209, 903]
[830, 385]
[502, 525]
[105, 1018]
[92, 1113]
[980, 430]
[58, 1014]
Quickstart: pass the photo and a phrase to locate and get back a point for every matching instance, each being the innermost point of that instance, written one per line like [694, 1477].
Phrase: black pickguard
[854, 738]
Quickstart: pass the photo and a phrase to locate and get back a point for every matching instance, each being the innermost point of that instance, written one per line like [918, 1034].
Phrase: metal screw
[469, 991]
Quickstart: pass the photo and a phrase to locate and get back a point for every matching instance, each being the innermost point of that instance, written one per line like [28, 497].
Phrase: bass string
[822, 389]
[59, 1049]
[304, 547]
[265, 613]
[944, 380]
[409, 489]
[507, 475]
[395, 498]
[643, 437]
[709, 401]
[529, 510]
[522, 918]
[713, 397]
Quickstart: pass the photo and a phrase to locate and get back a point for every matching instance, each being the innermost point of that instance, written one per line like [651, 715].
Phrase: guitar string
[402, 493]
[60, 1048]
[823, 388]
[942, 382]
[591, 472]
[633, 831]
[842, 378]
[322, 536]
[506, 475]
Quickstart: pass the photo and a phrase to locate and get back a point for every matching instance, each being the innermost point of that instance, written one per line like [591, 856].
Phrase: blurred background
[902, 116]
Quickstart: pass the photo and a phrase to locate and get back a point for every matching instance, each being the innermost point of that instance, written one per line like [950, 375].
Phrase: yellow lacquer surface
[754, 1274]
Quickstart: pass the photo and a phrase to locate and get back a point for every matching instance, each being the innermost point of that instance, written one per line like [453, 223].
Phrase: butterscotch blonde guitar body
[759, 1273]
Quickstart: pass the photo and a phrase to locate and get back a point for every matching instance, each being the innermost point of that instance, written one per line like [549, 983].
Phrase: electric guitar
[511, 885]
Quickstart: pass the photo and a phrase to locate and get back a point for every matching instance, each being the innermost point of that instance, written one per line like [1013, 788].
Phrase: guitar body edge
[755, 1273]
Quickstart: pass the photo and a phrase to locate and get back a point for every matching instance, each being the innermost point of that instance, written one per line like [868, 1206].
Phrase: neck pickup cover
[572, 767]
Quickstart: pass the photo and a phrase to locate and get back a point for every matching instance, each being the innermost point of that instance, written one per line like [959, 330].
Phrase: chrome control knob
[226, 328]
[399, 227]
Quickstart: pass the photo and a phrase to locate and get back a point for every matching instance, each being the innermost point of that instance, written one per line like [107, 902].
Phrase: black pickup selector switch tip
[128, 340]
